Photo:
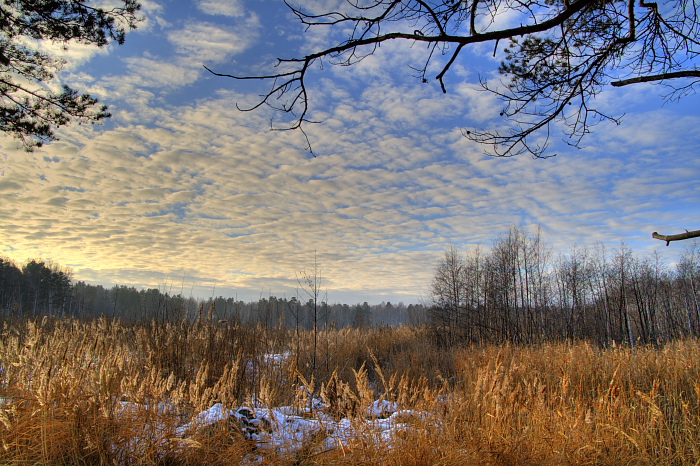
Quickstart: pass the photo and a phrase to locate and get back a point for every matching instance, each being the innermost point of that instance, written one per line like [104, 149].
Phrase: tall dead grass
[102, 392]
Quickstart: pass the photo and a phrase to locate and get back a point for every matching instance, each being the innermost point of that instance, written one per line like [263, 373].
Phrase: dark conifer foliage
[36, 289]
[29, 109]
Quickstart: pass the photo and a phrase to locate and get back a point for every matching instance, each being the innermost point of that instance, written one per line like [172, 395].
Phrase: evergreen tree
[29, 109]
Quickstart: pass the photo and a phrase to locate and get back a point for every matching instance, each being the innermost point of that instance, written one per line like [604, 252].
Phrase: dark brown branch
[577, 89]
[472, 19]
[431, 12]
[447, 67]
[682, 236]
[462, 40]
[565, 51]
[657, 77]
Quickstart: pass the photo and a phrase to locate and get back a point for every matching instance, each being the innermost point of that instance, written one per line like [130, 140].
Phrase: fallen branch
[669, 238]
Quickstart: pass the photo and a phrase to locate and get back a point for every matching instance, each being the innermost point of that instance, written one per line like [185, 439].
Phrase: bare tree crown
[560, 55]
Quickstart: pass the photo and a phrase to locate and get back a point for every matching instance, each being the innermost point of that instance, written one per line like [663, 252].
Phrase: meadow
[79, 392]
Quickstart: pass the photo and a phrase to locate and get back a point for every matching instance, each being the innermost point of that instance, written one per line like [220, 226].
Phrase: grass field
[104, 392]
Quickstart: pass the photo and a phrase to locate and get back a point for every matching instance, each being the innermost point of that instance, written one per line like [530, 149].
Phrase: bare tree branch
[657, 77]
[682, 236]
[560, 56]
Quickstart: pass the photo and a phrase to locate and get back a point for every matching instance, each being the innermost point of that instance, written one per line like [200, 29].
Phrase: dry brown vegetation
[64, 384]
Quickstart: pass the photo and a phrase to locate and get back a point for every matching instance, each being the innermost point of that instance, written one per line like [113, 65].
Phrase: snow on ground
[285, 428]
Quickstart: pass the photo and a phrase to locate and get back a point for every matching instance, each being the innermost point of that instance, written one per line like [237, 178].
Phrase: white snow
[286, 428]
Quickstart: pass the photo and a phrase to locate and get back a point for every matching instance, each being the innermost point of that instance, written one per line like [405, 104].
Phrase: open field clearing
[105, 392]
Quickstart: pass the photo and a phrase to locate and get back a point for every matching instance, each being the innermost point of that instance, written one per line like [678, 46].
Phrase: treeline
[37, 288]
[128, 303]
[46, 289]
[519, 291]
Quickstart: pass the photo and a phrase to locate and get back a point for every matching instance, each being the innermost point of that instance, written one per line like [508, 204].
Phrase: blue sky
[180, 191]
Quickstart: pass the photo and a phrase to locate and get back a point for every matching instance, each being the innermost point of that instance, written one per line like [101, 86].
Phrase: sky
[182, 192]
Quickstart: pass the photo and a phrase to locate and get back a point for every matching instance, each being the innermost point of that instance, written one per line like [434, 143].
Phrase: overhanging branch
[561, 54]
[669, 238]
[657, 77]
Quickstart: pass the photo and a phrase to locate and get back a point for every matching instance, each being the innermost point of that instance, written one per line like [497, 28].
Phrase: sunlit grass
[103, 392]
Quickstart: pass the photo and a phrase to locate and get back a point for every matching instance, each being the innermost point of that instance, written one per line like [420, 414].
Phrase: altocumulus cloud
[189, 187]
[222, 7]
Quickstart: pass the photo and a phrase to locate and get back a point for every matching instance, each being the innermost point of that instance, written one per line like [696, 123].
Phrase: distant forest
[517, 291]
[46, 289]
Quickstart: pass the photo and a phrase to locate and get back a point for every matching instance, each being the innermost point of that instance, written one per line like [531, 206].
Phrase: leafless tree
[573, 276]
[311, 282]
[558, 57]
[689, 287]
[449, 294]
[514, 292]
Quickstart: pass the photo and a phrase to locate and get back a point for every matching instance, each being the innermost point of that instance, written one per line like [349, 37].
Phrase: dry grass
[101, 392]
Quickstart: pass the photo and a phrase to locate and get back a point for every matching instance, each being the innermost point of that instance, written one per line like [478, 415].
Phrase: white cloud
[156, 73]
[502, 16]
[211, 43]
[75, 54]
[232, 8]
